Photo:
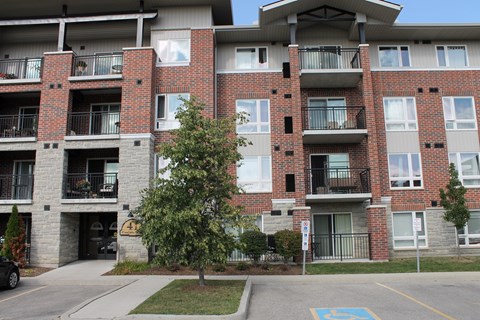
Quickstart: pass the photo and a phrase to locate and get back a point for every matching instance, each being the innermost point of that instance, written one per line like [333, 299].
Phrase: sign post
[417, 226]
[305, 241]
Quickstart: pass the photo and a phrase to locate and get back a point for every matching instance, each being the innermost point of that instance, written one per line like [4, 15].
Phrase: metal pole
[418, 252]
[304, 259]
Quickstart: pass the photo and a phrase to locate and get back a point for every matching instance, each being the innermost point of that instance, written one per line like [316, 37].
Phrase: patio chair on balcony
[108, 190]
[332, 125]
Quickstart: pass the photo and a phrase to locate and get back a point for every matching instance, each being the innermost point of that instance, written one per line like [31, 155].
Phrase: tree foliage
[288, 244]
[185, 216]
[254, 244]
[14, 244]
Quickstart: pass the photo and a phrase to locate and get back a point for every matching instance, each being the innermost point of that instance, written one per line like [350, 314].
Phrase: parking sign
[305, 226]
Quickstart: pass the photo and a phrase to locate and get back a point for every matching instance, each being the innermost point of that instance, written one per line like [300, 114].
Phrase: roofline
[435, 25]
[280, 3]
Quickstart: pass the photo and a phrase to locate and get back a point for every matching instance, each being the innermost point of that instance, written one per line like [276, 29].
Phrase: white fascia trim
[17, 81]
[110, 17]
[172, 64]
[249, 71]
[57, 52]
[424, 69]
[280, 201]
[301, 208]
[96, 137]
[276, 5]
[93, 78]
[137, 48]
[89, 200]
[137, 136]
[375, 206]
[19, 139]
[386, 4]
[16, 201]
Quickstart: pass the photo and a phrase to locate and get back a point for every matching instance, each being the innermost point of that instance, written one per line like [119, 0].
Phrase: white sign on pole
[417, 224]
[305, 241]
[305, 226]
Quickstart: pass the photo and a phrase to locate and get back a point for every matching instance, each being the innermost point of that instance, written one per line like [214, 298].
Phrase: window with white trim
[400, 114]
[468, 167]
[174, 51]
[258, 116]
[254, 174]
[403, 230]
[470, 234]
[166, 110]
[393, 56]
[405, 170]
[251, 58]
[452, 56]
[459, 113]
[160, 164]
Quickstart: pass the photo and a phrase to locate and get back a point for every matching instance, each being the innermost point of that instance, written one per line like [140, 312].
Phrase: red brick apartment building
[354, 119]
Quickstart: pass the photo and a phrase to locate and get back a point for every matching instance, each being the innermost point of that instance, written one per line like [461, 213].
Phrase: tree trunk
[201, 277]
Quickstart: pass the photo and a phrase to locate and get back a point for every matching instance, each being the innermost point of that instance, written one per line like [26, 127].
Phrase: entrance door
[326, 167]
[332, 235]
[98, 236]
[22, 180]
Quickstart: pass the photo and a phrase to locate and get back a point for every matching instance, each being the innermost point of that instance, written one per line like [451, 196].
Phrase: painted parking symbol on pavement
[343, 314]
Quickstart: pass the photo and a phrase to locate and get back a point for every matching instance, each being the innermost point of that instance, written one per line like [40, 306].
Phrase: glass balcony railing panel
[28, 68]
[98, 65]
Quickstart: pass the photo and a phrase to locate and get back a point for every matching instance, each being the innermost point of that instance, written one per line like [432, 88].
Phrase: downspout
[215, 84]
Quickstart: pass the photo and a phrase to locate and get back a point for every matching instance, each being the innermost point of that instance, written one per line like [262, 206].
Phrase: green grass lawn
[437, 264]
[187, 297]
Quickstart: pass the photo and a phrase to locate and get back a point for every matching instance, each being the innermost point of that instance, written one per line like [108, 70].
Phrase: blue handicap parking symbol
[343, 314]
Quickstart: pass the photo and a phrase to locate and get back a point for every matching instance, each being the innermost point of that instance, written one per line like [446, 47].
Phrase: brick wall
[377, 227]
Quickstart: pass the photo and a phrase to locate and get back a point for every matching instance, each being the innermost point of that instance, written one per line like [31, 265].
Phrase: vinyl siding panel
[463, 141]
[261, 145]
[184, 17]
[406, 142]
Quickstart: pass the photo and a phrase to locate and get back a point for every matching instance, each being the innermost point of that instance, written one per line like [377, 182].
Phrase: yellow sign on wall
[130, 228]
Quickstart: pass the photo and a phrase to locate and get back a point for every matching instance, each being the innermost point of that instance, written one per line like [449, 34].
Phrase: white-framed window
[161, 163]
[405, 170]
[166, 110]
[470, 234]
[254, 174]
[394, 56]
[459, 113]
[452, 56]
[251, 58]
[174, 51]
[400, 114]
[258, 115]
[468, 167]
[403, 230]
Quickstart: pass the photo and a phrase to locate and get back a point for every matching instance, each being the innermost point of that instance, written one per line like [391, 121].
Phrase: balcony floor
[334, 136]
[338, 197]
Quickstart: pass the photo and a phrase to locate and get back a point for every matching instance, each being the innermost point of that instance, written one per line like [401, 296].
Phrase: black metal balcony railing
[15, 126]
[98, 65]
[90, 185]
[333, 118]
[93, 123]
[337, 181]
[16, 187]
[338, 246]
[333, 58]
[28, 68]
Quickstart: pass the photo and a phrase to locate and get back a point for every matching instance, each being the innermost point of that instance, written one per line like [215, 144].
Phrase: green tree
[288, 244]
[185, 216]
[254, 244]
[454, 202]
[14, 244]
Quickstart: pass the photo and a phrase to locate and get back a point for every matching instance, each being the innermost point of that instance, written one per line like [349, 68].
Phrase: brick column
[368, 101]
[377, 227]
[302, 214]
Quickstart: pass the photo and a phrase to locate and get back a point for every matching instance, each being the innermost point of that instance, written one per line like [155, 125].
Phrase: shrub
[129, 267]
[253, 244]
[14, 243]
[219, 268]
[242, 266]
[173, 267]
[288, 244]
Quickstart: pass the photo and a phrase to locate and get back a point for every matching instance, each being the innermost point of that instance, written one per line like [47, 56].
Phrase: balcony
[321, 125]
[90, 186]
[15, 126]
[338, 184]
[338, 246]
[17, 188]
[93, 123]
[21, 70]
[99, 66]
[330, 67]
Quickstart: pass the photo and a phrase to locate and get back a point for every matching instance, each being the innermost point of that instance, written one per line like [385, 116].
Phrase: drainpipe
[215, 84]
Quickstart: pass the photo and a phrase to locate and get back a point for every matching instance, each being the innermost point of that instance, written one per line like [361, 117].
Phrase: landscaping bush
[241, 266]
[219, 268]
[253, 244]
[288, 244]
[14, 243]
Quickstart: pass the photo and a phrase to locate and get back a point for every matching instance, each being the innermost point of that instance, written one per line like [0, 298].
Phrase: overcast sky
[245, 12]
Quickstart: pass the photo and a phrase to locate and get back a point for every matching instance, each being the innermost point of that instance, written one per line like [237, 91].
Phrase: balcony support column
[292, 23]
[62, 34]
[139, 41]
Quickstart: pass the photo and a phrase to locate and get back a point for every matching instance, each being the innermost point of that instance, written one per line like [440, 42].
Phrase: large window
[174, 51]
[452, 56]
[403, 232]
[255, 174]
[394, 56]
[405, 170]
[468, 167]
[251, 58]
[166, 110]
[258, 115]
[400, 114]
[470, 234]
[459, 113]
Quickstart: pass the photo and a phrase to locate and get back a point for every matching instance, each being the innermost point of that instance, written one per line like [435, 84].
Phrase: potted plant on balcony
[80, 68]
[83, 185]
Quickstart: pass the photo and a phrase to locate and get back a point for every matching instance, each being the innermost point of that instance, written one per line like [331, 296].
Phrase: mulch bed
[30, 271]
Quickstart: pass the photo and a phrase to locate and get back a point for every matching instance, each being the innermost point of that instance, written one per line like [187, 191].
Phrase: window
[327, 113]
[174, 50]
[394, 56]
[258, 115]
[255, 174]
[162, 163]
[400, 114]
[251, 58]
[167, 106]
[403, 232]
[452, 56]
[459, 113]
[468, 166]
[405, 170]
[470, 234]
